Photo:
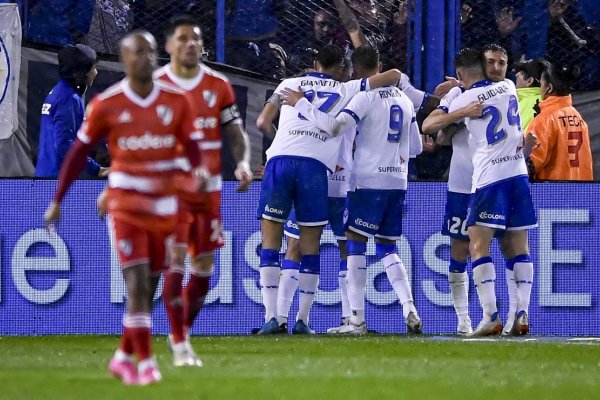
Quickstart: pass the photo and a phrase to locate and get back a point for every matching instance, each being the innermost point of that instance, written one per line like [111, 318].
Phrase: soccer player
[143, 119]
[378, 183]
[199, 226]
[296, 174]
[459, 190]
[500, 199]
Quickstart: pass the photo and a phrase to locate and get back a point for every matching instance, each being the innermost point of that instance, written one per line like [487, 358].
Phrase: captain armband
[230, 114]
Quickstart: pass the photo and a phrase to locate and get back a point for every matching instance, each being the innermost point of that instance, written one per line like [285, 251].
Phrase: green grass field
[321, 367]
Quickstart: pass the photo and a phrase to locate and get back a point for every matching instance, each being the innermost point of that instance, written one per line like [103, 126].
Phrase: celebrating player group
[340, 155]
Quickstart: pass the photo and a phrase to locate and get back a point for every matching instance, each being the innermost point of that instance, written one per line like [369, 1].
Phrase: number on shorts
[455, 224]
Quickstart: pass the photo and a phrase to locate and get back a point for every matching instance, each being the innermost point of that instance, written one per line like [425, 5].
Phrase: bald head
[138, 53]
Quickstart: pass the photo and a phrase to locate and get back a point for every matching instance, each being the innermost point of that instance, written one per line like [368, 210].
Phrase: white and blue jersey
[302, 155]
[387, 135]
[459, 178]
[501, 198]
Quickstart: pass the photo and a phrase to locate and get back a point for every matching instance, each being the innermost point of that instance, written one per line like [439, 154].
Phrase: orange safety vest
[563, 149]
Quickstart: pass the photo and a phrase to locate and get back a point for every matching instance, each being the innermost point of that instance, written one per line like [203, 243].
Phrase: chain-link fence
[277, 38]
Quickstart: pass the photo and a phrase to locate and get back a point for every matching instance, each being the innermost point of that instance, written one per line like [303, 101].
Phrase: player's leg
[337, 205]
[172, 286]
[511, 285]
[310, 203]
[521, 219]
[455, 226]
[390, 230]
[290, 269]
[274, 207]
[356, 280]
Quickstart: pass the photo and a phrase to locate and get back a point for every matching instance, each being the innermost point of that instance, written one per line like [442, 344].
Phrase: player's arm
[233, 128]
[441, 118]
[90, 132]
[264, 122]
[444, 136]
[350, 23]
[415, 143]
[387, 78]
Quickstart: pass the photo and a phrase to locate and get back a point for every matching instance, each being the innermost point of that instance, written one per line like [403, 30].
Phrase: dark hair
[365, 57]
[330, 55]
[177, 21]
[532, 69]
[493, 47]
[468, 58]
[74, 63]
[561, 78]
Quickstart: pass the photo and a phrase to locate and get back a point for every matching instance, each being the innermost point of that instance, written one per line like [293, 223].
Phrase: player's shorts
[337, 205]
[137, 246]
[338, 184]
[455, 216]
[291, 228]
[372, 212]
[200, 228]
[294, 181]
[505, 205]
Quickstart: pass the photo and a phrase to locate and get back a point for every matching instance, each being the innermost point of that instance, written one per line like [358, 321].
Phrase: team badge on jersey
[165, 114]
[210, 98]
[125, 246]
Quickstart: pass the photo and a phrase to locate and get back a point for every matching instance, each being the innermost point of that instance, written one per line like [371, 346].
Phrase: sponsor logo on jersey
[273, 210]
[485, 215]
[360, 222]
[147, 141]
[125, 117]
[204, 123]
[210, 98]
[165, 114]
[391, 169]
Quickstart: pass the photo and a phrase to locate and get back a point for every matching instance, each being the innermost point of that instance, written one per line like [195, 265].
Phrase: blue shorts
[372, 212]
[337, 205]
[291, 227]
[294, 181]
[505, 205]
[455, 217]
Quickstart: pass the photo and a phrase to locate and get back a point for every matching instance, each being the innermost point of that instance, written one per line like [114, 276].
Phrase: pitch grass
[307, 368]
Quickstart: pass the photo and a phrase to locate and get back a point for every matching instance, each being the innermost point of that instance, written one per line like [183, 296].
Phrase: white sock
[513, 298]
[288, 283]
[484, 276]
[459, 287]
[346, 311]
[308, 283]
[269, 285]
[524, 280]
[121, 356]
[396, 273]
[356, 281]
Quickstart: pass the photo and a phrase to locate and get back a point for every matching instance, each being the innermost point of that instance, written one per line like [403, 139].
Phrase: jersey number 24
[492, 133]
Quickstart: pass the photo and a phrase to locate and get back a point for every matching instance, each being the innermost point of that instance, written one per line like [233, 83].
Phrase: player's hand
[101, 203]
[445, 86]
[291, 97]
[243, 174]
[201, 175]
[259, 172]
[52, 216]
[429, 145]
[529, 144]
[473, 110]
[103, 173]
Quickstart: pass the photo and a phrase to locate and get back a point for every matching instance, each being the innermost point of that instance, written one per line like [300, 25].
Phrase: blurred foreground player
[143, 119]
[199, 225]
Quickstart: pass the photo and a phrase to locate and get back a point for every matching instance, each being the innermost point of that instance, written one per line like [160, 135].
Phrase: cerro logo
[146, 141]
[366, 224]
[210, 98]
[125, 247]
[485, 215]
[202, 123]
[165, 114]
[5, 70]
[273, 210]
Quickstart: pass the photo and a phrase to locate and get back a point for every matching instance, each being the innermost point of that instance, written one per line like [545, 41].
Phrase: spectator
[528, 75]
[63, 110]
[563, 142]
[58, 22]
[205, 13]
[111, 20]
